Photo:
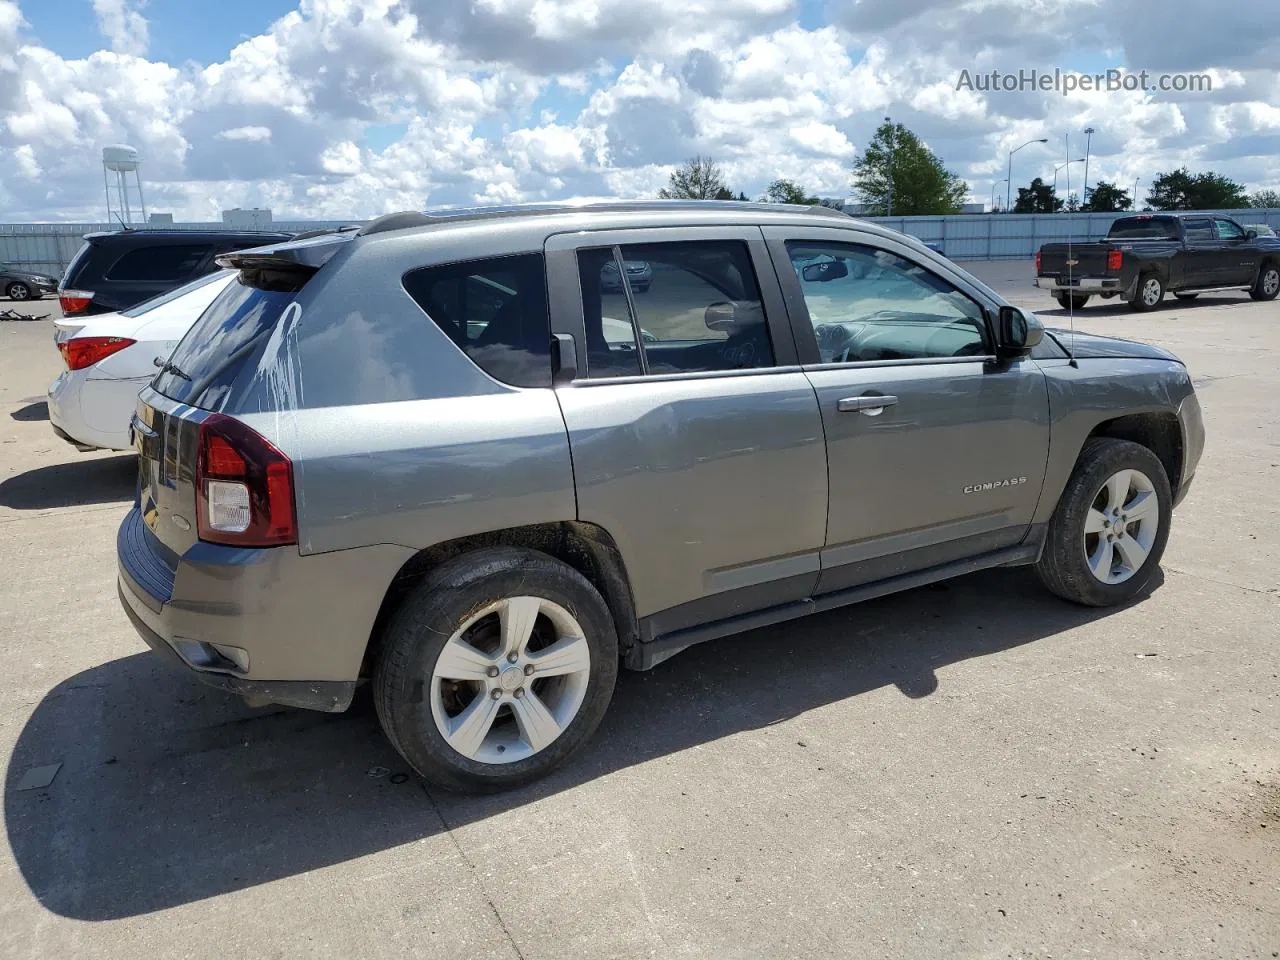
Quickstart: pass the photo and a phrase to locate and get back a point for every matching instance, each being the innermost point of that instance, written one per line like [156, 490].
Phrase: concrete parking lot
[969, 770]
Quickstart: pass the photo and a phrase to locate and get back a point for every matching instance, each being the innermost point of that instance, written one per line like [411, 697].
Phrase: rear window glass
[1198, 230]
[158, 264]
[1144, 228]
[495, 311]
[206, 362]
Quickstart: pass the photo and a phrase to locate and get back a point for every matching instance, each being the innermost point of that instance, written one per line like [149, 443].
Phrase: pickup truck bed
[1146, 256]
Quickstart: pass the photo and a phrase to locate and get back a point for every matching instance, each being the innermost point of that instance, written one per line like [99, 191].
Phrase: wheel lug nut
[512, 657]
[528, 669]
[492, 671]
[519, 693]
[496, 695]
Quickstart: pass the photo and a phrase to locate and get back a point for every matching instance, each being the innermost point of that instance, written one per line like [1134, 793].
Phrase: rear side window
[158, 264]
[1198, 230]
[495, 310]
[205, 364]
[1143, 228]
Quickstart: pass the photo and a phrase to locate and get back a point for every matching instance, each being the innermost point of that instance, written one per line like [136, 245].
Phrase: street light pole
[889, 204]
[1008, 193]
[1084, 191]
[1055, 173]
[1136, 181]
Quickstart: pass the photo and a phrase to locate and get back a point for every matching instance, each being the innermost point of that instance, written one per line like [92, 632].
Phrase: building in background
[259, 218]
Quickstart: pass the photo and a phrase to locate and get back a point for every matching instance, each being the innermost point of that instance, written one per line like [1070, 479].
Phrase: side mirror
[825, 271]
[720, 316]
[726, 316]
[1251, 234]
[1017, 331]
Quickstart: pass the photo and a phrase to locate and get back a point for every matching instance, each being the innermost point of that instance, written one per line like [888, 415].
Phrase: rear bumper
[1093, 286]
[268, 624]
[74, 399]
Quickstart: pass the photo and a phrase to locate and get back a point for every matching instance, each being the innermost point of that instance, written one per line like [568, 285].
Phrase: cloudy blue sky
[351, 108]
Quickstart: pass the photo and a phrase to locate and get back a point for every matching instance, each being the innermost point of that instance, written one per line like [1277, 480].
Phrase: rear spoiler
[309, 254]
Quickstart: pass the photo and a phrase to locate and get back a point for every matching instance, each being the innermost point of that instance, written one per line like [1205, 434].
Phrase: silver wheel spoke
[1142, 507]
[537, 726]
[459, 660]
[1100, 562]
[1118, 490]
[518, 615]
[1093, 521]
[566, 655]
[1131, 552]
[472, 725]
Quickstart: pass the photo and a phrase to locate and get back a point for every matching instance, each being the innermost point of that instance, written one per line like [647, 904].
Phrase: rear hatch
[1073, 262]
[199, 381]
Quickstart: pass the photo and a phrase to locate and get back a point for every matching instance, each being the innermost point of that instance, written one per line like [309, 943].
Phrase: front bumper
[1192, 424]
[268, 624]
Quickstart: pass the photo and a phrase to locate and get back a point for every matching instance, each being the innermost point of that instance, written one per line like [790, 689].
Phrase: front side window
[495, 310]
[870, 304]
[697, 309]
[1228, 230]
[159, 264]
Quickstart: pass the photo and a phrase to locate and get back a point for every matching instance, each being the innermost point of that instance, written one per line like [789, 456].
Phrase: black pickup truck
[1145, 256]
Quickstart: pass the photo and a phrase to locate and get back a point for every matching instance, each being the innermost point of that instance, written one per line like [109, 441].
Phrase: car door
[936, 452]
[1238, 258]
[696, 439]
[1197, 263]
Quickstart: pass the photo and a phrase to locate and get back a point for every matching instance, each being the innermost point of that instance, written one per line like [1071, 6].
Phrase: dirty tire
[429, 616]
[18, 291]
[1149, 293]
[1063, 566]
[1267, 285]
[1072, 301]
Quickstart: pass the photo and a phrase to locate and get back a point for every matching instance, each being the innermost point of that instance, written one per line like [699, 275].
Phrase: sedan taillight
[74, 301]
[81, 352]
[244, 487]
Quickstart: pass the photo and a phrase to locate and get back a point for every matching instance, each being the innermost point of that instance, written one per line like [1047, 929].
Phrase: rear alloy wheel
[18, 291]
[1109, 531]
[496, 669]
[1268, 284]
[1150, 293]
[1072, 301]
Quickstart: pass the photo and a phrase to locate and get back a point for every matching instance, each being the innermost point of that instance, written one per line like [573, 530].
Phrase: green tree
[896, 166]
[1072, 204]
[1265, 199]
[1037, 198]
[788, 191]
[1106, 197]
[698, 178]
[1182, 190]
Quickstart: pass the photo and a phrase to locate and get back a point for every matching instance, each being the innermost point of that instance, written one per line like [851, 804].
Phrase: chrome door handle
[872, 406]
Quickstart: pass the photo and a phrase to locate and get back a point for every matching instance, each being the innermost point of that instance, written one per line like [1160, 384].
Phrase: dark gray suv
[412, 455]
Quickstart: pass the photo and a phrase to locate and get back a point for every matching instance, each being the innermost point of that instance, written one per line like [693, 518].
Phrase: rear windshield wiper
[167, 367]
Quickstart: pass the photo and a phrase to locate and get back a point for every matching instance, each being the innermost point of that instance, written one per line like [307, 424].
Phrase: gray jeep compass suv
[412, 455]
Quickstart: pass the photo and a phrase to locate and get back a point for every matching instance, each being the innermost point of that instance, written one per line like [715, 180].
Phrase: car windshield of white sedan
[148, 305]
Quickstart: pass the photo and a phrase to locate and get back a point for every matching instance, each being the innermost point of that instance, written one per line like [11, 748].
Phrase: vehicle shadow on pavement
[75, 484]
[32, 412]
[170, 792]
[1117, 308]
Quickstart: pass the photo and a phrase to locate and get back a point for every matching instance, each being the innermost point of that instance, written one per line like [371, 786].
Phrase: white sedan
[111, 357]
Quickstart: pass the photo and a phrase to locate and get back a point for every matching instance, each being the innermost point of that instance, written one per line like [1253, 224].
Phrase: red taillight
[244, 487]
[1115, 259]
[1037, 261]
[81, 352]
[74, 301]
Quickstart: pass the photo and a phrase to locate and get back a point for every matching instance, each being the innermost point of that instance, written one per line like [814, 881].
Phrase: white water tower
[119, 161]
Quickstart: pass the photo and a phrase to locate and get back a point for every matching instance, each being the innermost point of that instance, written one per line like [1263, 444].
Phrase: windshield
[148, 305]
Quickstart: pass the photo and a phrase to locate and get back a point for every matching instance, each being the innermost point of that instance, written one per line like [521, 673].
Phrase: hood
[1090, 346]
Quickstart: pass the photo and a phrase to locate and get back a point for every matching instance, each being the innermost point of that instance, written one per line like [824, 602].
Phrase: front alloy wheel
[1268, 285]
[1121, 525]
